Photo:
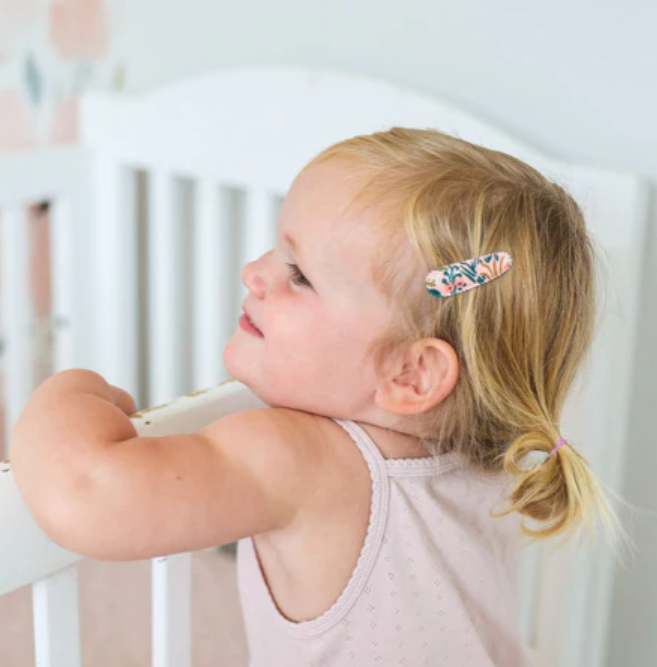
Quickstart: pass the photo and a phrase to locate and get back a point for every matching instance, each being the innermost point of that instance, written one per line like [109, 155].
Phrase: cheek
[295, 336]
[290, 318]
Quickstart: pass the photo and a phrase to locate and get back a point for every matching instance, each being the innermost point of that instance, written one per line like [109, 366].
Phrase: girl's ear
[419, 378]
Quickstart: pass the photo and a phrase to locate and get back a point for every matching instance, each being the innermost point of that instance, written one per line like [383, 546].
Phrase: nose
[253, 276]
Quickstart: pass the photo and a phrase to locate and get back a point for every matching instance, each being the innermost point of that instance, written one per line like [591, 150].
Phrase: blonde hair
[520, 340]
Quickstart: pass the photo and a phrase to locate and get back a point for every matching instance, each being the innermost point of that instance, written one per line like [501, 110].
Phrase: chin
[234, 365]
[274, 390]
[242, 369]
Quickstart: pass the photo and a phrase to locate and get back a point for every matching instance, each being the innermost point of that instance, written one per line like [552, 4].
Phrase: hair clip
[462, 276]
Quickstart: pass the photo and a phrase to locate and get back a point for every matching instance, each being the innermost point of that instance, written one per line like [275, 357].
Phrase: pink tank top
[435, 583]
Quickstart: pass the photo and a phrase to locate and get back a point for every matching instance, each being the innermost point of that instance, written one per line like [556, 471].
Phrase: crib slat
[116, 355]
[165, 281]
[260, 225]
[17, 315]
[57, 619]
[258, 234]
[172, 611]
[62, 282]
[215, 283]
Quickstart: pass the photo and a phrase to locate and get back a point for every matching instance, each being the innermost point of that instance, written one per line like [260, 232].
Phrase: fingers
[123, 400]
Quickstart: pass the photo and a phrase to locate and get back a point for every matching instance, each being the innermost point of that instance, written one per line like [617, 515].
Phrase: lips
[250, 321]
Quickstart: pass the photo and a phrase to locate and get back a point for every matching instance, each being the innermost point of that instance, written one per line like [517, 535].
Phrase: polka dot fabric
[435, 583]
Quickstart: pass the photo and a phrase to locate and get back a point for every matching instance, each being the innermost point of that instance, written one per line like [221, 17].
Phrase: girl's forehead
[331, 227]
[328, 190]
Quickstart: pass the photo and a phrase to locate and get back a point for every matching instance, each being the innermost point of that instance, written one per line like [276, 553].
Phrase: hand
[85, 381]
[123, 400]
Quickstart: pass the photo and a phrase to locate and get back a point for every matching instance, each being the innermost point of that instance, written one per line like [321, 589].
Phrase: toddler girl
[414, 332]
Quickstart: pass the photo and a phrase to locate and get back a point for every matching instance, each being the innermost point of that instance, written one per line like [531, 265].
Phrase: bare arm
[99, 490]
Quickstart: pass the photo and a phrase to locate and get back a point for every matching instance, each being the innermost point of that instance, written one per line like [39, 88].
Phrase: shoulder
[307, 462]
[275, 435]
[299, 437]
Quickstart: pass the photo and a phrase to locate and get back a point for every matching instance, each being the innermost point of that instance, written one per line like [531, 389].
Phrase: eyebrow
[294, 246]
[291, 241]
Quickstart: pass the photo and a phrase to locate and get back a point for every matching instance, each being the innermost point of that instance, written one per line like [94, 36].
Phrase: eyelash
[297, 275]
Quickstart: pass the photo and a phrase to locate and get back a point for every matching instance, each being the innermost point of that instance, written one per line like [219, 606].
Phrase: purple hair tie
[560, 442]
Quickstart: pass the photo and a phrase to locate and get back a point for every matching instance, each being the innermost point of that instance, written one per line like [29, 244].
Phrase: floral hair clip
[462, 276]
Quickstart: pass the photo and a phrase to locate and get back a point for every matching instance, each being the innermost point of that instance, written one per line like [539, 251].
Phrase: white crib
[152, 216]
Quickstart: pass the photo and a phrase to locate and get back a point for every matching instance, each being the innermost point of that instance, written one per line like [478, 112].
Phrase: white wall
[574, 77]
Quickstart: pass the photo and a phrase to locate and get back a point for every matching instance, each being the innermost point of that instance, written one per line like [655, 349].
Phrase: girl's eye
[297, 277]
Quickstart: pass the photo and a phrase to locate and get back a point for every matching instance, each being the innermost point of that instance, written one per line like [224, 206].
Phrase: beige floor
[115, 615]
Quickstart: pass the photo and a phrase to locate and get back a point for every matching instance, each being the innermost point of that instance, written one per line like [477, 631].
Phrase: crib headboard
[182, 186]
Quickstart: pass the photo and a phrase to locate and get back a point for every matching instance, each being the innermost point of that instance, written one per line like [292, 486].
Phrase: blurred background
[574, 78]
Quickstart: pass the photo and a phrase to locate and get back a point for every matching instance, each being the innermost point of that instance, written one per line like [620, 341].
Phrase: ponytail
[561, 491]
